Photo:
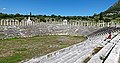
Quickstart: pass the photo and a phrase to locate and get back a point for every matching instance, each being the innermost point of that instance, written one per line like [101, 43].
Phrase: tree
[107, 20]
[59, 16]
[44, 15]
[96, 20]
[17, 15]
[95, 14]
[53, 16]
[101, 16]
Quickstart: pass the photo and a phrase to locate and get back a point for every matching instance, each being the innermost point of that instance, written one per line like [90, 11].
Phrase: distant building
[65, 22]
[29, 21]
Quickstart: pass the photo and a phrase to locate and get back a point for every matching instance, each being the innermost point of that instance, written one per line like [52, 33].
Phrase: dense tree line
[95, 17]
[17, 15]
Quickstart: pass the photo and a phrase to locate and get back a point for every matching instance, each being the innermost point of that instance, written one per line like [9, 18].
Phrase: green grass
[2, 34]
[15, 50]
[11, 59]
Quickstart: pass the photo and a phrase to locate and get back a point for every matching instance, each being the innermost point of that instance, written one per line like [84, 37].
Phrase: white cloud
[4, 8]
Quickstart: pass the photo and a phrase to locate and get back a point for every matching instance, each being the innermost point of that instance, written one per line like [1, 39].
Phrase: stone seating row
[75, 53]
[103, 53]
[105, 30]
[115, 53]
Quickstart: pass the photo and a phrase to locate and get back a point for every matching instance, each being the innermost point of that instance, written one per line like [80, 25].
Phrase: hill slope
[113, 10]
[115, 7]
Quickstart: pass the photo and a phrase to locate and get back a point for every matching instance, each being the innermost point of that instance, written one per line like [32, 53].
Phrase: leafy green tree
[17, 15]
[96, 20]
[53, 16]
[101, 16]
[107, 20]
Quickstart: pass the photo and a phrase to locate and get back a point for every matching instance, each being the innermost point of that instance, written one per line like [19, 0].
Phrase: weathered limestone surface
[73, 54]
[46, 29]
[109, 54]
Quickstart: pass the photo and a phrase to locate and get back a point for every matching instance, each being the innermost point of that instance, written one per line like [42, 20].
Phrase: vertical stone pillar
[10, 22]
[103, 24]
[82, 23]
[18, 23]
[26, 23]
[1, 22]
[13, 22]
[92, 23]
[4, 22]
[75, 23]
[7, 22]
[23, 22]
[95, 24]
[34, 22]
[87, 23]
[79, 22]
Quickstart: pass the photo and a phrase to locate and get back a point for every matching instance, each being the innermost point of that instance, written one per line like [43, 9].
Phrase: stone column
[4, 22]
[15, 23]
[75, 23]
[92, 24]
[82, 23]
[1, 22]
[10, 22]
[79, 23]
[87, 23]
[18, 23]
[103, 25]
[23, 22]
[7, 22]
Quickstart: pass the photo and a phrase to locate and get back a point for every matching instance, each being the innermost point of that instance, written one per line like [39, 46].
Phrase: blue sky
[57, 7]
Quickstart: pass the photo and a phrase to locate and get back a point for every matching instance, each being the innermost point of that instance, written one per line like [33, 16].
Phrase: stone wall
[46, 29]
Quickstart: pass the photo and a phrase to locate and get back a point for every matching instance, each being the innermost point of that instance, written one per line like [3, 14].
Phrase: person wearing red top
[109, 37]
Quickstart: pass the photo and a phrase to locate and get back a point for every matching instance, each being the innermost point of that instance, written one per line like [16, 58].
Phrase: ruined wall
[45, 29]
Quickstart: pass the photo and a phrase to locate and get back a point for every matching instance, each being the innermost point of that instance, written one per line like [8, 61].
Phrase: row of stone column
[103, 24]
[80, 23]
[14, 22]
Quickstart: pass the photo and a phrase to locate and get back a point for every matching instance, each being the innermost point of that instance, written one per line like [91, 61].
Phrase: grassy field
[16, 49]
